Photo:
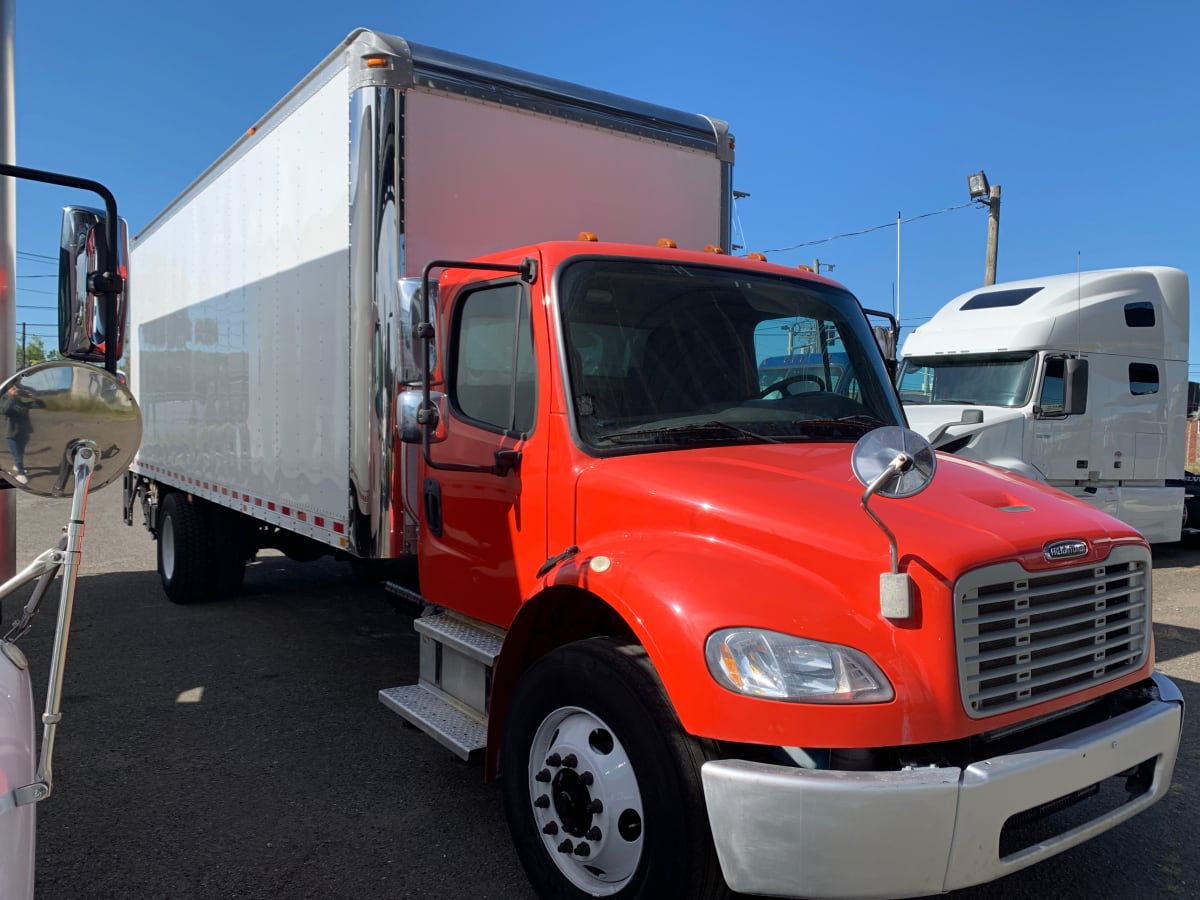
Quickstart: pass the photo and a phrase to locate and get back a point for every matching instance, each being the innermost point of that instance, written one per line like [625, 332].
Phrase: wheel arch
[557, 616]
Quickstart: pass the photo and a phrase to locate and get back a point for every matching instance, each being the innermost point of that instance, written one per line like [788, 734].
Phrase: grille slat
[1054, 668]
[1078, 676]
[1080, 619]
[1049, 643]
[1024, 638]
[1051, 588]
[1057, 606]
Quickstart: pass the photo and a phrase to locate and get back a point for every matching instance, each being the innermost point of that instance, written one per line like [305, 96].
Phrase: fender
[18, 752]
[668, 595]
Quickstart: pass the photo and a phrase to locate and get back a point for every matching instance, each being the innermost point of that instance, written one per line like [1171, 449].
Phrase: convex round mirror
[48, 409]
[876, 450]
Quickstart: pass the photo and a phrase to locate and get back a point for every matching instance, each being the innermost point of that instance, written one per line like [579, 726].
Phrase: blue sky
[846, 114]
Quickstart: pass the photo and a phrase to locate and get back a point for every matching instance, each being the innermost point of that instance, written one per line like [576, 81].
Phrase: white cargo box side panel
[481, 178]
[240, 324]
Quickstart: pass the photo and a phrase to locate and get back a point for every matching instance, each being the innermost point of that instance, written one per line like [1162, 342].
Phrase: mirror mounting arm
[111, 281]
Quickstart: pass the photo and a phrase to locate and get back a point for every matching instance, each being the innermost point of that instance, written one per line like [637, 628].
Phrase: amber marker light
[729, 665]
[586, 236]
[666, 242]
[713, 248]
[757, 257]
[377, 62]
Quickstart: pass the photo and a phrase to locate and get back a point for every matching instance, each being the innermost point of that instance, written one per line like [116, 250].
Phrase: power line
[894, 224]
[36, 257]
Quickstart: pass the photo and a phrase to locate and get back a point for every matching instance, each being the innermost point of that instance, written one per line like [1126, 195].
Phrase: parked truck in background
[709, 633]
[1076, 380]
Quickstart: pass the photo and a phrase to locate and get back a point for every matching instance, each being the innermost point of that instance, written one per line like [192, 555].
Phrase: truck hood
[683, 543]
[802, 502]
[999, 439]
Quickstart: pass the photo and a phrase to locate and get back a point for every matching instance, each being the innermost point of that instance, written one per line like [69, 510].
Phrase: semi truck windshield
[662, 356]
[995, 380]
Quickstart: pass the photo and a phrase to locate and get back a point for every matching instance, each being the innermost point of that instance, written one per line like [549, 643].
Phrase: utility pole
[993, 203]
[988, 195]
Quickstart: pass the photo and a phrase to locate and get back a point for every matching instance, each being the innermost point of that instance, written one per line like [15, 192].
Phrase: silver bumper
[784, 831]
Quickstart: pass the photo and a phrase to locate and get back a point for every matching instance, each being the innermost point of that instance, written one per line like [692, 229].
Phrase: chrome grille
[1025, 637]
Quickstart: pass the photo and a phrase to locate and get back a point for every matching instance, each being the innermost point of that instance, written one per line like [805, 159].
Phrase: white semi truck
[1077, 380]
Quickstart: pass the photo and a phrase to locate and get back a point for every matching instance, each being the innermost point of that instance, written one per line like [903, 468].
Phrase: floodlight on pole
[978, 185]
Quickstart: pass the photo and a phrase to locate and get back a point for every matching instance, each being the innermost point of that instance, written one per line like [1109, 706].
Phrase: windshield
[662, 356]
[970, 380]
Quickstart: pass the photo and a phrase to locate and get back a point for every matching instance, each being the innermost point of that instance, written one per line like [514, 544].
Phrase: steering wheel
[792, 379]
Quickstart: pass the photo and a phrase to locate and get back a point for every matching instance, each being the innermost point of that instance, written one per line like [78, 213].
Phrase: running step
[429, 710]
[457, 656]
[474, 641]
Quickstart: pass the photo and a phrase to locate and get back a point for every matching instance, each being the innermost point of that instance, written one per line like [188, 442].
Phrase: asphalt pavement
[238, 750]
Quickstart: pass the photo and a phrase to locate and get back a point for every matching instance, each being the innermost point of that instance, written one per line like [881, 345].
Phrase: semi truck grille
[1024, 637]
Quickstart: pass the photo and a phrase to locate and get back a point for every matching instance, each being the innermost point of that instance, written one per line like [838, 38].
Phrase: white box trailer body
[266, 344]
[984, 379]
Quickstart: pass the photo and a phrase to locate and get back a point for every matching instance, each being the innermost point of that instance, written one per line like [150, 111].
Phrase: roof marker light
[377, 62]
[666, 242]
[757, 257]
[587, 236]
[713, 248]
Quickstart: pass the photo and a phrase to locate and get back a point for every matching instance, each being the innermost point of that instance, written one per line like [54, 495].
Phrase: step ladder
[450, 701]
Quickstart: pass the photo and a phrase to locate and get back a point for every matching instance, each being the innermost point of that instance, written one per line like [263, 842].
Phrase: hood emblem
[1068, 549]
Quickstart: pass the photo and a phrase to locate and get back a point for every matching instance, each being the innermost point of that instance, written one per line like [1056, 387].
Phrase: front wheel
[601, 785]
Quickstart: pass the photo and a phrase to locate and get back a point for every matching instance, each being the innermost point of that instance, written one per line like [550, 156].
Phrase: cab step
[433, 713]
[450, 701]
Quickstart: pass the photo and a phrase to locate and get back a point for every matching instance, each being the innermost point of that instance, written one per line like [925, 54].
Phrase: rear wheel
[601, 785]
[184, 563]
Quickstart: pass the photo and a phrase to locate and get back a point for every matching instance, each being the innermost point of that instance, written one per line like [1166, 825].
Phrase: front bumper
[784, 831]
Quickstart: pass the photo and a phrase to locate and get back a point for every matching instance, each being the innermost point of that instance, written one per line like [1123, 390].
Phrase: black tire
[230, 551]
[601, 702]
[184, 550]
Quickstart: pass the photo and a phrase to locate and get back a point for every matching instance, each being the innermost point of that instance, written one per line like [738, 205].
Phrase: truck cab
[1076, 380]
[656, 596]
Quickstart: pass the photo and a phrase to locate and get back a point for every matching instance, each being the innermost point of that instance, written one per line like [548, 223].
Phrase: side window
[1139, 314]
[1143, 379]
[493, 378]
[1052, 401]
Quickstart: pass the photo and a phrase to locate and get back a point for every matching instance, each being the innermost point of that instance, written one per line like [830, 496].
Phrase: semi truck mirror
[410, 422]
[85, 265]
[1075, 387]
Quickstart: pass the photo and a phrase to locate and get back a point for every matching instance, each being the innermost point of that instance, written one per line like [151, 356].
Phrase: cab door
[484, 498]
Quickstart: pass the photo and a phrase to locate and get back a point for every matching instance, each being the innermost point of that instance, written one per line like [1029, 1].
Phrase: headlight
[783, 667]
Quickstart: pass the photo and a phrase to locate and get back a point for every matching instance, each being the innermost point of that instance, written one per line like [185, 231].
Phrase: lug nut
[543, 775]
[595, 807]
[566, 846]
[570, 761]
[551, 828]
[583, 849]
[586, 779]
[542, 802]
[594, 834]
[554, 760]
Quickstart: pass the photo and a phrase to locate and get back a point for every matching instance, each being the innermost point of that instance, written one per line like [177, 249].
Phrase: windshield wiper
[692, 429]
[859, 424]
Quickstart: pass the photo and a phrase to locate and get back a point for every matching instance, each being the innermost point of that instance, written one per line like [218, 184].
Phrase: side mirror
[408, 421]
[49, 409]
[84, 254]
[1075, 387]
